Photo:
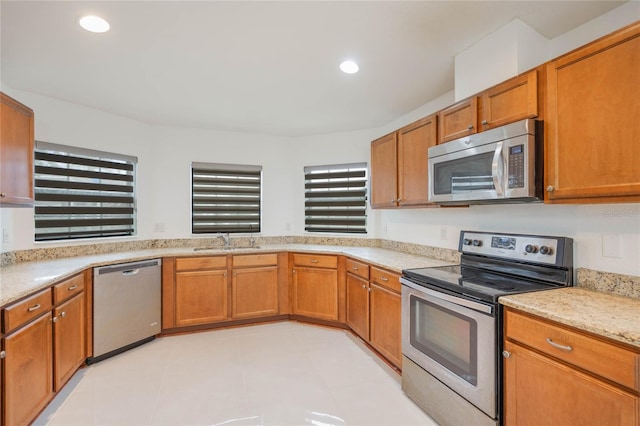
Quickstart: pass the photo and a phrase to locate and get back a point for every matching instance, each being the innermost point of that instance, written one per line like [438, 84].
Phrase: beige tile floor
[284, 373]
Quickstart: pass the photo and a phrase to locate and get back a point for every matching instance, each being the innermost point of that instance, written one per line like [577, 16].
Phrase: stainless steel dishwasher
[126, 306]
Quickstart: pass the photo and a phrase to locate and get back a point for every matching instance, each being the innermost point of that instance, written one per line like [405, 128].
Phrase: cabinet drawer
[190, 263]
[358, 268]
[606, 360]
[19, 313]
[386, 279]
[315, 260]
[255, 260]
[68, 288]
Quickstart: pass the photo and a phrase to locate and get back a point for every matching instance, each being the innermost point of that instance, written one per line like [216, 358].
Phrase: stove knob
[466, 242]
[477, 243]
[530, 249]
[546, 250]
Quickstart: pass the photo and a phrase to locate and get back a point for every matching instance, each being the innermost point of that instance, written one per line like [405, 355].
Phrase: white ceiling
[259, 66]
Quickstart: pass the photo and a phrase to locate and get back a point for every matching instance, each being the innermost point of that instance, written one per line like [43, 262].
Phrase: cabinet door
[384, 172]
[315, 293]
[254, 292]
[28, 371]
[358, 305]
[384, 324]
[413, 152]
[201, 297]
[458, 120]
[592, 125]
[513, 100]
[540, 391]
[16, 152]
[68, 339]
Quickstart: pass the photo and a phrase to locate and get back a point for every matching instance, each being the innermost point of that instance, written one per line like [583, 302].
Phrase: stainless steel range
[452, 322]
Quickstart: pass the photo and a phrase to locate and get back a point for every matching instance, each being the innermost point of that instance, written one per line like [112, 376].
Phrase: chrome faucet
[226, 239]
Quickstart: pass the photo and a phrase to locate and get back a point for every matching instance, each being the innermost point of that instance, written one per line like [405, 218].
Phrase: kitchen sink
[226, 248]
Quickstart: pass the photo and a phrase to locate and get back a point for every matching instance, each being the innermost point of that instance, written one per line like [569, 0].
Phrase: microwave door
[475, 173]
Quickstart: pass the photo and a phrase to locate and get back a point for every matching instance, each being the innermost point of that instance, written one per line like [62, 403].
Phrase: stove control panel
[529, 248]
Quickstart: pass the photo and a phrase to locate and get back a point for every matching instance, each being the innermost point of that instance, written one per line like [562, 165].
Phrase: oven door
[453, 339]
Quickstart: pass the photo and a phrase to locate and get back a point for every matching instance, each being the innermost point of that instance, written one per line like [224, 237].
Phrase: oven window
[472, 173]
[447, 337]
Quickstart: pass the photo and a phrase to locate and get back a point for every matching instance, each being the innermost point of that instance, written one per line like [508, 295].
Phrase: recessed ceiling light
[349, 67]
[95, 24]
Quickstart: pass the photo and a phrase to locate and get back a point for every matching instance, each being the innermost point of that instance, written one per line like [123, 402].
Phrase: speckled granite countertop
[23, 278]
[612, 316]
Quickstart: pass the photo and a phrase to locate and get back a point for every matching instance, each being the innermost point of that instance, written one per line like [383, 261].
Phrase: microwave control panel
[516, 166]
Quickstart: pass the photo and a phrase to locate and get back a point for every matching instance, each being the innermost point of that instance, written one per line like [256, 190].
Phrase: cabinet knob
[393, 200]
[506, 354]
[364, 286]
[485, 122]
[399, 199]
[235, 274]
[3, 355]
[470, 127]
[63, 314]
[550, 188]
[54, 319]
[3, 195]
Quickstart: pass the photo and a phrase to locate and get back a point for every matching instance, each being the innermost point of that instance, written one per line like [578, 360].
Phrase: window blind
[225, 198]
[82, 193]
[336, 198]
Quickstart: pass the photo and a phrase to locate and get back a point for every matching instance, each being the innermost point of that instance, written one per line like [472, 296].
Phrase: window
[82, 193]
[225, 198]
[336, 198]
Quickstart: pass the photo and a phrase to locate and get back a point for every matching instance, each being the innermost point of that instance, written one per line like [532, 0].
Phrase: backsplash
[624, 285]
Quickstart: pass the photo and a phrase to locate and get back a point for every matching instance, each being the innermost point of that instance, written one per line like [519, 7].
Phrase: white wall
[165, 154]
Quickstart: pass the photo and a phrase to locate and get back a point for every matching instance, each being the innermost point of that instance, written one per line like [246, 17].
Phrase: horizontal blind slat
[59, 210]
[82, 161]
[43, 183]
[57, 171]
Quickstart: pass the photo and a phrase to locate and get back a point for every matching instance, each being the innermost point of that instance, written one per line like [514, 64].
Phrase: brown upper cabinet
[16, 153]
[399, 165]
[592, 125]
[458, 120]
[513, 100]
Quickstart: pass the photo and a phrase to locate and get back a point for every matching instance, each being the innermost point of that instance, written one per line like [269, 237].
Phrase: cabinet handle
[3, 354]
[235, 274]
[485, 122]
[355, 268]
[73, 287]
[550, 188]
[369, 289]
[399, 199]
[314, 260]
[506, 354]
[294, 271]
[63, 314]
[34, 308]
[364, 286]
[385, 279]
[470, 127]
[559, 346]
[393, 201]
[3, 195]
[54, 319]
[224, 275]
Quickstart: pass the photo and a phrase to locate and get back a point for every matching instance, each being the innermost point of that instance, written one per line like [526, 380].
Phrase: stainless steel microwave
[501, 165]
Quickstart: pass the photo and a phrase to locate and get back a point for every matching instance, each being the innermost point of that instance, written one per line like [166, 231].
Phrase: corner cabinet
[592, 127]
[16, 153]
[560, 376]
[399, 175]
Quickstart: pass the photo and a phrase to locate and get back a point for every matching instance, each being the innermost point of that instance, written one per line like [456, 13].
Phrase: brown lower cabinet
[316, 292]
[254, 286]
[201, 297]
[374, 308]
[554, 375]
[44, 350]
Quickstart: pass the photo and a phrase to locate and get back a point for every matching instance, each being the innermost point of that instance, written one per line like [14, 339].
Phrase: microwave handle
[497, 170]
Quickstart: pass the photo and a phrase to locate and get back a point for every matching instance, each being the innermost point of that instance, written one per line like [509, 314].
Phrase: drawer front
[358, 268]
[19, 313]
[68, 288]
[192, 263]
[603, 359]
[315, 260]
[387, 279]
[270, 259]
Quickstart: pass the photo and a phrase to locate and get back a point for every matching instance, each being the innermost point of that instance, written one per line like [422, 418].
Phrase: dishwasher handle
[131, 268]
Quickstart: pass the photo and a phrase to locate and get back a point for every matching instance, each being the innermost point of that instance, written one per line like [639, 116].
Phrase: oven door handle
[497, 170]
[448, 298]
